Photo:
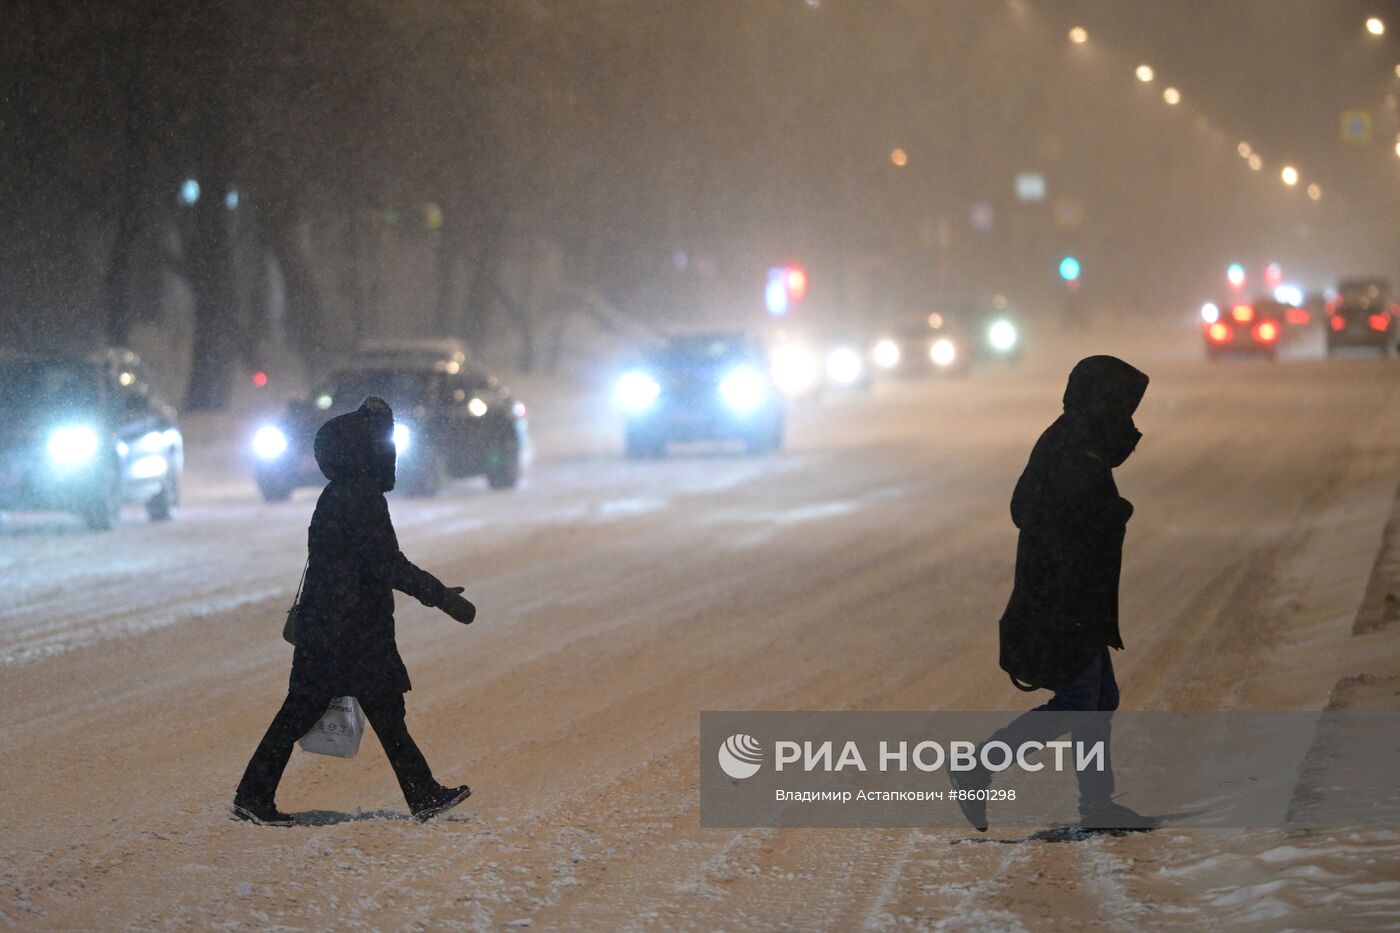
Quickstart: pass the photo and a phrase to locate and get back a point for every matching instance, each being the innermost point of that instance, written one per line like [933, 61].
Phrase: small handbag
[289, 628]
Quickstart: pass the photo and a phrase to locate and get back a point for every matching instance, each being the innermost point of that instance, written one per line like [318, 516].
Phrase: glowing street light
[1397, 146]
[1245, 150]
[899, 158]
[1079, 35]
[1144, 73]
[1315, 192]
[1235, 276]
[1289, 175]
[1375, 27]
[1255, 162]
[1172, 96]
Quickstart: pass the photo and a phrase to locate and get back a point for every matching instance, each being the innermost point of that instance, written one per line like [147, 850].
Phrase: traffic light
[1235, 276]
[1069, 269]
[787, 286]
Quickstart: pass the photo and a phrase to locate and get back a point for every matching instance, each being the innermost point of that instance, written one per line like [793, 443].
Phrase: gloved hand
[458, 606]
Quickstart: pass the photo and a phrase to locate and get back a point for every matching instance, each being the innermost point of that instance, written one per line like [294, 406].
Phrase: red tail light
[1378, 321]
[1242, 313]
[1338, 322]
[1298, 315]
[1266, 332]
[1219, 332]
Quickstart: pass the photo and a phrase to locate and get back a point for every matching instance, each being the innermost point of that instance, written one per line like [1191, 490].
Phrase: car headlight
[1002, 335]
[477, 408]
[843, 365]
[943, 352]
[794, 369]
[886, 354]
[637, 391]
[743, 389]
[402, 437]
[72, 444]
[269, 442]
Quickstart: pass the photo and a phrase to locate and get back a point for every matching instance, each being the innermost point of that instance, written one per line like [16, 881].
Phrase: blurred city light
[1255, 162]
[775, 293]
[1144, 73]
[1079, 35]
[1314, 192]
[1172, 96]
[1397, 145]
[899, 157]
[1245, 150]
[1210, 312]
[1235, 275]
[943, 352]
[796, 282]
[1289, 294]
[1375, 27]
[794, 368]
[189, 191]
[886, 354]
[1273, 274]
[1289, 175]
[1069, 268]
[231, 199]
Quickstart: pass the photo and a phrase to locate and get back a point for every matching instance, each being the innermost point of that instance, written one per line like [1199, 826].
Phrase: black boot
[439, 800]
[260, 812]
[971, 799]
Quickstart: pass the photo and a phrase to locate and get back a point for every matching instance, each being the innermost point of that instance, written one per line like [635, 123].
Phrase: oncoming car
[451, 418]
[701, 388]
[932, 344]
[86, 436]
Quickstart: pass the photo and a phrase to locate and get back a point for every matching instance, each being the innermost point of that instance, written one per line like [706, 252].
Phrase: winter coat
[1064, 604]
[345, 631]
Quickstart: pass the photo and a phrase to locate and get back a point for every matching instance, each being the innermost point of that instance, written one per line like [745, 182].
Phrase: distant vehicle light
[476, 407]
[943, 352]
[794, 369]
[1235, 274]
[1144, 73]
[269, 442]
[323, 401]
[1338, 322]
[1289, 295]
[637, 391]
[260, 380]
[743, 389]
[403, 437]
[518, 410]
[886, 354]
[1210, 312]
[1219, 332]
[72, 444]
[1266, 332]
[1378, 321]
[843, 366]
[1002, 335]
[1297, 316]
[1242, 314]
[149, 467]
[935, 320]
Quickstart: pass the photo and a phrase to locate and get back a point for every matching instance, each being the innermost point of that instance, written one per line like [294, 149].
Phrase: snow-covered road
[864, 568]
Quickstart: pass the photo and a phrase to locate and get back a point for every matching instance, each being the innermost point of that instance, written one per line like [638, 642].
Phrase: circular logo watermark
[740, 756]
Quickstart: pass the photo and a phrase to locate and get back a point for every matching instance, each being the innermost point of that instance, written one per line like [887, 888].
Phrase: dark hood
[1102, 394]
[359, 445]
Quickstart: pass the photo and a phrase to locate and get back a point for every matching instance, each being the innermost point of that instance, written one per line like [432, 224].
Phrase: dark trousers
[301, 711]
[1085, 710]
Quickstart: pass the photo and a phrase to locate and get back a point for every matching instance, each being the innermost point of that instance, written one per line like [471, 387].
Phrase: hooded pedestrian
[345, 628]
[1062, 617]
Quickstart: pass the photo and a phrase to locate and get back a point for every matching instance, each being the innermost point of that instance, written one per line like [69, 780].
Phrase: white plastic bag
[339, 730]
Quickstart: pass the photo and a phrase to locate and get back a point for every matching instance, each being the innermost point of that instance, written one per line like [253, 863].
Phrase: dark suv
[451, 418]
[86, 435]
[1363, 315]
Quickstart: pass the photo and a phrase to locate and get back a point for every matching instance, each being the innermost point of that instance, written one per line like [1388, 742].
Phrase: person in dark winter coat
[345, 628]
[1063, 613]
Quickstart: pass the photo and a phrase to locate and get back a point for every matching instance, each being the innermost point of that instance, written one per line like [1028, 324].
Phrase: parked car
[87, 435]
[1364, 314]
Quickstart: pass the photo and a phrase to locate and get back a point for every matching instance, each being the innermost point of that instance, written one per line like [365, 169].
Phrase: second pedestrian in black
[345, 629]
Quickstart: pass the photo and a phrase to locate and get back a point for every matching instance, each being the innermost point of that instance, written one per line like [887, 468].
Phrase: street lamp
[1375, 27]
[899, 158]
[1079, 35]
[1289, 175]
[1144, 73]
[1315, 192]
[1172, 96]
[1255, 162]
[1245, 150]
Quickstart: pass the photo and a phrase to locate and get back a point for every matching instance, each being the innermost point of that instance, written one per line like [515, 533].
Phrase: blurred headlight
[886, 354]
[476, 407]
[402, 437]
[149, 467]
[637, 391]
[943, 352]
[269, 442]
[843, 366]
[1210, 312]
[72, 444]
[743, 389]
[794, 369]
[1002, 335]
